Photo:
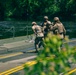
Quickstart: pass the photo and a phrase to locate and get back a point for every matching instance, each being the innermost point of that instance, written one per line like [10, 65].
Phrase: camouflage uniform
[39, 35]
[58, 28]
[45, 26]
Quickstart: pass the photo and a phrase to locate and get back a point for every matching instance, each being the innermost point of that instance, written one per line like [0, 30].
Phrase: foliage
[53, 60]
[35, 9]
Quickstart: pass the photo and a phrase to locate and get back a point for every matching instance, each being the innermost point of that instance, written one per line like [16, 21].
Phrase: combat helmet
[46, 17]
[34, 23]
[56, 19]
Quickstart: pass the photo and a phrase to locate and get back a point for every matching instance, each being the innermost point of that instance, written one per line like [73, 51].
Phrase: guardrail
[15, 31]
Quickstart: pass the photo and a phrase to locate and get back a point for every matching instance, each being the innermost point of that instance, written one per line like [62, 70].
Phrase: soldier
[58, 28]
[39, 35]
[45, 26]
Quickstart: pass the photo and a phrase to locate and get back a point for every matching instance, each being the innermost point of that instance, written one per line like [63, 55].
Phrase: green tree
[71, 4]
[36, 9]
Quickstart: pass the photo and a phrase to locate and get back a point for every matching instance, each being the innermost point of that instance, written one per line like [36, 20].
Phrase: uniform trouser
[61, 35]
[38, 42]
[49, 32]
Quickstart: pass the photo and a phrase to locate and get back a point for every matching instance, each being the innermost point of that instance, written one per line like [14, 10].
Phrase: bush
[53, 60]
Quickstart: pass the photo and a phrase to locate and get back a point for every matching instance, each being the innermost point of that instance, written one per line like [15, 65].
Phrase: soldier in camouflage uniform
[45, 26]
[58, 28]
[39, 35]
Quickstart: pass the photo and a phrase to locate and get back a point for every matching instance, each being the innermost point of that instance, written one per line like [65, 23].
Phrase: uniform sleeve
[54, 27]
[64, 30]
[33, 28]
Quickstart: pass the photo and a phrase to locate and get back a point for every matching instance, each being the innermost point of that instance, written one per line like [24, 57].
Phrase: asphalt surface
[10, 62]
[16, 52]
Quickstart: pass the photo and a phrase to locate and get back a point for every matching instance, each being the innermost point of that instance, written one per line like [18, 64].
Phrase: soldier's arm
[43, 28]
[48, 24]
[53, 27]
[64, 30]
[34, 30]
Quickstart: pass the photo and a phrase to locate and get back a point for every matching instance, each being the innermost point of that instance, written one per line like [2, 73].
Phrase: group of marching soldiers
[45, 27]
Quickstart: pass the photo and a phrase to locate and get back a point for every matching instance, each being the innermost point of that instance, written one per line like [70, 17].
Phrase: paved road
[14, 55]
[15, 58]
[11, 62]
[14, 52]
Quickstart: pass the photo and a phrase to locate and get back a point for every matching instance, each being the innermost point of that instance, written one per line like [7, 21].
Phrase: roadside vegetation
[53, 60]
[36, 9]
